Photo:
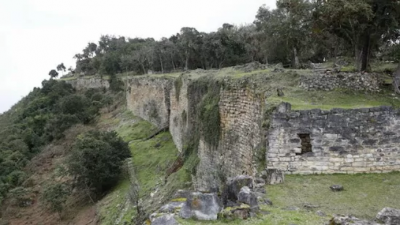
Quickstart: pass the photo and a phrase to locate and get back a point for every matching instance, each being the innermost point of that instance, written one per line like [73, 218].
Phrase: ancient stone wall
[167, 102]
[149, 98]
[240, 113]
[83, 83]
[330, 81]
[335, 141]
[179, 118]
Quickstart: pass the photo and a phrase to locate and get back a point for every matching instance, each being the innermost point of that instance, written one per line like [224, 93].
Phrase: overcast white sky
[37, 35]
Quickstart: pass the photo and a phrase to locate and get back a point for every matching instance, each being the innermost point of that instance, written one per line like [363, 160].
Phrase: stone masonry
[330, 81]
[240, 113]
[335, 141]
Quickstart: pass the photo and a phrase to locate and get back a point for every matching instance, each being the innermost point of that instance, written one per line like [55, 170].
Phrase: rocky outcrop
[350, 220]
[389, 216]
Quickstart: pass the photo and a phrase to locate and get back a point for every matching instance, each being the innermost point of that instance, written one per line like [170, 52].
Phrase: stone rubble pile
[330, 81]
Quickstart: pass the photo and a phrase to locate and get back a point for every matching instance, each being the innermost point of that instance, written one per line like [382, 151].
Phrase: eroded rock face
[201, 206]
[389, 216]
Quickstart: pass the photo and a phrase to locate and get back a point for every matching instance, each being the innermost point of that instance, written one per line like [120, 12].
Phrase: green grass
[151, 159]
[364, 195]
[326, 100]
[139, 129]
[115, 206]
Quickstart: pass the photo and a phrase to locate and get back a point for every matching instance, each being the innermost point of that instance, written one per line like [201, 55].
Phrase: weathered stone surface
[247, 197]
[336, 187]
[201, 206]
[150, 99]
[349, 220]
[389, 216]
[274, 176]
[163, 219]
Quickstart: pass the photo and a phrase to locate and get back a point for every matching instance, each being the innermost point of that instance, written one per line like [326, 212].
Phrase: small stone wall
[341, 141]
[87, 83]
[330, 81]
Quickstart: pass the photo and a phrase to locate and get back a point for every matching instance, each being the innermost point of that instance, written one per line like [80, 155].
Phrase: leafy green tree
[53, 74]
[362, 23]
[96, 160]
[61, 67]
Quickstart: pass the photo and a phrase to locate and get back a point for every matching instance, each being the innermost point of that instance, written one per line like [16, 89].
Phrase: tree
[188, 38]
[61, 67]
[96, 159]
[287, 26]
[55, 195]
[362, 23]
[53, 74]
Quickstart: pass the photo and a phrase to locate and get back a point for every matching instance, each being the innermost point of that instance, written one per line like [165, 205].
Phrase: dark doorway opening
[306, 146]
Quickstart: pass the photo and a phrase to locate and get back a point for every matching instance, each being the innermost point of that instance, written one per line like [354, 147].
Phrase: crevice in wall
[306, 146]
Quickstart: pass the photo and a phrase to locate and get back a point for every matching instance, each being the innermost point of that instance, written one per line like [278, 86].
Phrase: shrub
[96, 160]
[55, 195]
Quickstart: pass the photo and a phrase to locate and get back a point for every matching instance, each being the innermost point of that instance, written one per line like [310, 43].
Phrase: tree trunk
[172, 61]
[365, 54]
[161, 64]
[187, 60]
[295, 63]
[396, 80]
[144, 70]
[357, 58]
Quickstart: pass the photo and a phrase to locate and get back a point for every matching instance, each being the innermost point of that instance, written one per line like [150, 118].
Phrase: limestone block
[201, 206]
[275, 176]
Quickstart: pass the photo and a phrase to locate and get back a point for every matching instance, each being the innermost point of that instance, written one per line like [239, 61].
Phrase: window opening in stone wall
[306, 146]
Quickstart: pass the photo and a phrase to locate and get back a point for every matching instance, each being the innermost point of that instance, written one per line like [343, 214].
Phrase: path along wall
[335, 141]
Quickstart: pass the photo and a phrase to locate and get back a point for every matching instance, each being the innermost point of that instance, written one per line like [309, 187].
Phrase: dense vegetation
[295, 33]
[96, 159]
[37, 120]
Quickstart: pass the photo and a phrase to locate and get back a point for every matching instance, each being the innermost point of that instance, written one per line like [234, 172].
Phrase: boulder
[274, 176]
[349, 220]
[336, 188]
[201, 206]
[163, 219]
[247, 197]
[234, 185]
[238, 212]
[171, 207]
[389, 216]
